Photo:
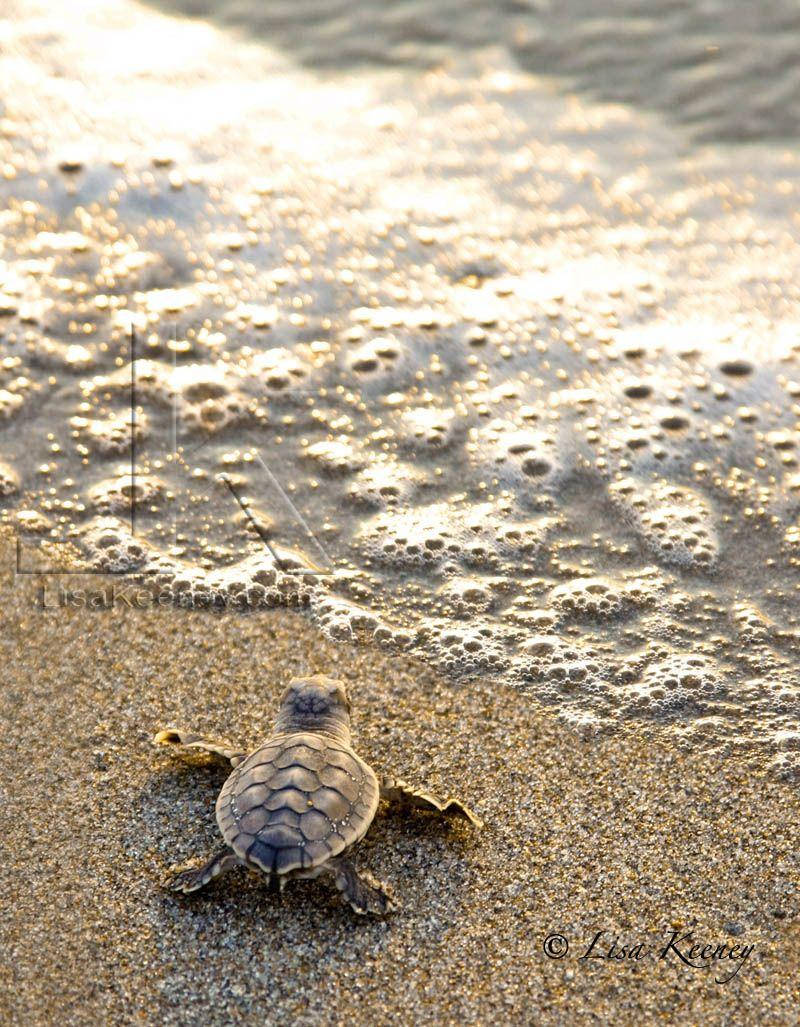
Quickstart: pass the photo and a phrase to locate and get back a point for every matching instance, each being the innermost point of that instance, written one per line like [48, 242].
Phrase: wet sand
[621, 834]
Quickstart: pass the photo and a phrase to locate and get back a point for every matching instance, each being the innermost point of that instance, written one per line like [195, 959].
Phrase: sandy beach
[619, 834]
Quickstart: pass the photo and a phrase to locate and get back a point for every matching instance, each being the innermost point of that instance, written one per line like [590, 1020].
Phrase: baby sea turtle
[297, 805]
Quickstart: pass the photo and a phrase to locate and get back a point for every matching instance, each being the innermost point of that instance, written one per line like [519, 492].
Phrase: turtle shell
[296, 802]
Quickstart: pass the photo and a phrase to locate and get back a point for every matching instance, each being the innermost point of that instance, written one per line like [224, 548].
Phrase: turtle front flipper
[198, 877]
[364, 893]
[189, 741]
[403, 794]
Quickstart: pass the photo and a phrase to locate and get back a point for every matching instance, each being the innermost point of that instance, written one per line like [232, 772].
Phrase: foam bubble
[9, 480]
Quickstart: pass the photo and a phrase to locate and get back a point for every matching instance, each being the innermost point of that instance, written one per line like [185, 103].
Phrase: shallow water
[728, 69]
[504, 376]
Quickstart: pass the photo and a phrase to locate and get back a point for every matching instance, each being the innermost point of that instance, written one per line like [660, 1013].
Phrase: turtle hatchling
[297, 805]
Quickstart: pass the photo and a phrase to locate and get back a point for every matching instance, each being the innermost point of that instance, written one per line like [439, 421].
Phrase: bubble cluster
[430, 535]
[674, 684]
[111, 547]
[465, 596]
[118, 495]
[204, 395]
[559, 662]
[263, 578]
[110, 435]
[275, 369]
[10, 404]
[9, 480]
[604, 598]
[378, 354]
[524, 452]
[428, 428]
[385, 483]
[472, 648]
[673, 520]
[335, 456]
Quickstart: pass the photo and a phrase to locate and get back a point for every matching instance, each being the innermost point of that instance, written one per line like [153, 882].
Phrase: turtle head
[315, 704]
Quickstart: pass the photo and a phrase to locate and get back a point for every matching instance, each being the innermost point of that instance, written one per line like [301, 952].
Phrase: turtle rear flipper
[403, 794]
[364, 893]
[195, 878]
[186, 740]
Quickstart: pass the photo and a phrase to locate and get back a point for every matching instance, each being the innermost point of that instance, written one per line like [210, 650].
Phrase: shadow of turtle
[173, 820]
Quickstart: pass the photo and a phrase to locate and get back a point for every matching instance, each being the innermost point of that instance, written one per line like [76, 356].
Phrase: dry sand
[618, 833]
